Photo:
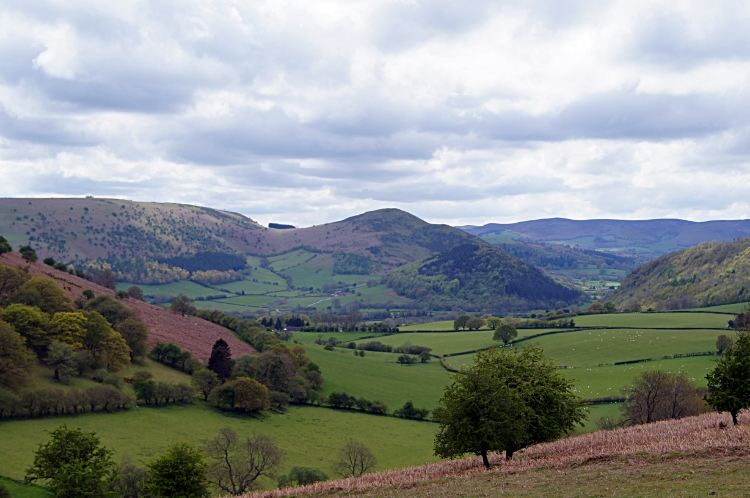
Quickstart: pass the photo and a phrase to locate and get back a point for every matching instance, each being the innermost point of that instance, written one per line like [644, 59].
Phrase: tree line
[75, 463]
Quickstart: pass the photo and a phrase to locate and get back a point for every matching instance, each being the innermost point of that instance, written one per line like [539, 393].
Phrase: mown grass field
[309, 436]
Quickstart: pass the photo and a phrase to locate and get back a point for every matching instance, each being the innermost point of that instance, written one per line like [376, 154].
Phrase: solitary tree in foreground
[74, 465]
[507, 400]
[354, 459]
[729, 382]
[237, 463]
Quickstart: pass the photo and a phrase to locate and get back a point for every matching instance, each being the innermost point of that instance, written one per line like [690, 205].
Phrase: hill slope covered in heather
[478, 277]
[79, 230]
[709, 274]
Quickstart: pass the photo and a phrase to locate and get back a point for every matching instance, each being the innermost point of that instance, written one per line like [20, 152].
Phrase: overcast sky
[303, 112]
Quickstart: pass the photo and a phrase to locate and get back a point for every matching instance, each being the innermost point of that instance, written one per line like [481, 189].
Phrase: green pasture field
[380, 293]
[355, 279]
[19, 490]
[310, 436]
[311, 337]
[599, 382]
[314, 273]
[190, 289]
[376, 377]
[692, 320]
[451, 342]
[265, 275]
[247, 300]
[595, 412]
[221, 306]
[587, 348]
[250, 287]
[289, 260]
[446, 325]
[727, 308]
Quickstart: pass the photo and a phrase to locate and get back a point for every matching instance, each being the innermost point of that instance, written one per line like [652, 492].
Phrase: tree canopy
[729, 381]
[74, 464]
[505, 333]
[507, 400]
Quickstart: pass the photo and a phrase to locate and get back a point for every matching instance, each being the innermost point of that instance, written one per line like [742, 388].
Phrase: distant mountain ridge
[650, 238]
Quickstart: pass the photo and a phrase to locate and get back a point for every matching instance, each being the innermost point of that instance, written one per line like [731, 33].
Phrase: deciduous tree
[31, 323]
[505, 333]
[250, 395]
[237, 463]
[354, 459]
[205, 381]
[135, 333]
[723, 343]
[180, 473]
[507, 400]
[74, 464]
[182, 305]
[28, 253]
[15, 357]
[461, 321]
[729, 381]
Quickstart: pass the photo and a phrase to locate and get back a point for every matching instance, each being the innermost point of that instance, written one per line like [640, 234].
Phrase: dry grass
[704, 432]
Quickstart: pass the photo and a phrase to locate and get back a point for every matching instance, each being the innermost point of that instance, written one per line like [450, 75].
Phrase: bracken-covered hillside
[477, 277]
[193, 334]
[709, 274]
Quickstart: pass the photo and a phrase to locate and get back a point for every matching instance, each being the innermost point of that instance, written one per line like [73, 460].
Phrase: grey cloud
[46, 131]
[668, 38]
[401, 25]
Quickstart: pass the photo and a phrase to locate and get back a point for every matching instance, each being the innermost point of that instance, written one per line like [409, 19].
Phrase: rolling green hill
[709, 274]
[479, 277]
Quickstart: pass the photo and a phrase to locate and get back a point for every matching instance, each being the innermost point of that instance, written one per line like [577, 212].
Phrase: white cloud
[307, 112]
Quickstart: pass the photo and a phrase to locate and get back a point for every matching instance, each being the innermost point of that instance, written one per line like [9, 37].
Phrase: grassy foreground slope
[689, 457]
